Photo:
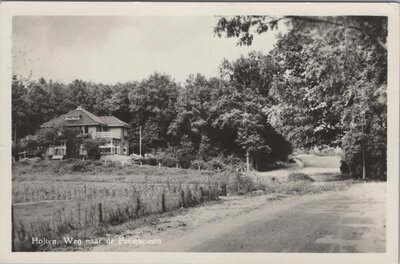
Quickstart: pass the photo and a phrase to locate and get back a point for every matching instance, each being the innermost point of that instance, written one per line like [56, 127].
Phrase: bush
[344, 167]
[234, 162]
[78, 165]
[242, 184]
[149, 160]
[135, 158]
[73, 141]
[113, 164]
[168, 161]
[92, 147]
[216, 163]
[299, 176]
[195, 164]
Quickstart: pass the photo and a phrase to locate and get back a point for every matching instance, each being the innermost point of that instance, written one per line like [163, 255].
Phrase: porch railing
[107, 135]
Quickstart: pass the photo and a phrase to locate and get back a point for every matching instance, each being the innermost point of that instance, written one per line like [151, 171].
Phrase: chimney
[79, 108]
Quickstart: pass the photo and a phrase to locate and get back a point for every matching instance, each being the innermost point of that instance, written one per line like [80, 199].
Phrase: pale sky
[121, 49]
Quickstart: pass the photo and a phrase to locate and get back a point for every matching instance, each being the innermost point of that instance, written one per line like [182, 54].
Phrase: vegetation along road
[352, 220]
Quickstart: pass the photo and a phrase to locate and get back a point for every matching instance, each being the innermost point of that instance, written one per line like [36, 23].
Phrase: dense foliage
[329, 83]
[205, 120]
[323, 84]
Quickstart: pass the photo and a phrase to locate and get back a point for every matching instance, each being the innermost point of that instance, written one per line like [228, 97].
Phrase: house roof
[112, 121]
[81, 117]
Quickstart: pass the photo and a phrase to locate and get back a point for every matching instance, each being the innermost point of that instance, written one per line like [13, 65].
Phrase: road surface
[346, 221]
[351, 221]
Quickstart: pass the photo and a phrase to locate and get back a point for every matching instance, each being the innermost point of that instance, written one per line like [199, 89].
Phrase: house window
[73, 117]
[86, 129]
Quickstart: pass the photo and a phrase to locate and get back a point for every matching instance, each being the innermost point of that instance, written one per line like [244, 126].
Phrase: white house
[114, 130]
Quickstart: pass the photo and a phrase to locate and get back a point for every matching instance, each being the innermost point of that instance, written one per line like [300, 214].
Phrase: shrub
[299, 176]
[135, 158]
[113, 164]
[234, 162]
[22, 162]
[152, 161]
[92, 147]
[216, 163]
[344, 167]
[195, 164]
[148, 159]
[78, 166]
[242, 184]
[168, 161]
[73, 140]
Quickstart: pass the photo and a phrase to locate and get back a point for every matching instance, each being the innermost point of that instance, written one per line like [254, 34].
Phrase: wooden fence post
[223, 187]
[137, 206]
[100, 213]
[13, 229]
[163, 203]
[201, 194]
[183, 199]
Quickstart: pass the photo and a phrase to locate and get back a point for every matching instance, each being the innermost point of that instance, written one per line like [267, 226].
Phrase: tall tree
[19, 111]
[329, 85]
[152, 106]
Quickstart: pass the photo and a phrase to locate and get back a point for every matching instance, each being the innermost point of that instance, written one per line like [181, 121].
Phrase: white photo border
[10, 9]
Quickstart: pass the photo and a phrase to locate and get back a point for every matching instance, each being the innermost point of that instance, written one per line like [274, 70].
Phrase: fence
[94, 214]
[47, 191]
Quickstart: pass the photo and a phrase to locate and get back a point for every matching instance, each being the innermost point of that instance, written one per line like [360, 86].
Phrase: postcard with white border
[199, 132]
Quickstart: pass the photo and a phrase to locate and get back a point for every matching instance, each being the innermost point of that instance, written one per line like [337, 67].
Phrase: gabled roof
[81, 117]
[112, 121]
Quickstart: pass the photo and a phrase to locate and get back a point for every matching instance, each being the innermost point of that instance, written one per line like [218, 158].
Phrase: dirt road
[347, 221]
[351, 221]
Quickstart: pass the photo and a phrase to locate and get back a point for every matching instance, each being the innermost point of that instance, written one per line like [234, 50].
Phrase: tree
[329, 85]
[115, 100]
[244, 27]
[73, 138]
[38, 103]
[60, 101]
[251, 78]
[80, 95]
[19, 111]
[152, 106]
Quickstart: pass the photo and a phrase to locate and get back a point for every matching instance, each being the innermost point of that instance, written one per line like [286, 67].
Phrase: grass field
[53, 198]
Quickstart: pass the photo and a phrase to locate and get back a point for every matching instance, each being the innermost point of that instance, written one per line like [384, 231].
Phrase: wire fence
[90, 208]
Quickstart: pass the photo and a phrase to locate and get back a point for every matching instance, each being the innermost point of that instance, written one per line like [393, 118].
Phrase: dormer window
[73, 117]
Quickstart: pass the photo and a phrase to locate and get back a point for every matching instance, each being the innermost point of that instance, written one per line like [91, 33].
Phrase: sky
[122, 49]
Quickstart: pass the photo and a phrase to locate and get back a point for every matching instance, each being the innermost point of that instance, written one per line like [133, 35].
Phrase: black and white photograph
[260, 132]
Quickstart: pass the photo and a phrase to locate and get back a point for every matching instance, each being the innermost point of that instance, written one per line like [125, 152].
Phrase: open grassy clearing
[52, 199]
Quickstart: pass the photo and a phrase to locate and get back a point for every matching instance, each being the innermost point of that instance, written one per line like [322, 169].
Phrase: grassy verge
[52, 199]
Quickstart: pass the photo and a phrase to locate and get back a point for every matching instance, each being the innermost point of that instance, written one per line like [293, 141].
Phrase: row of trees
[201, 120]
[329, 83]
[323, 84]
